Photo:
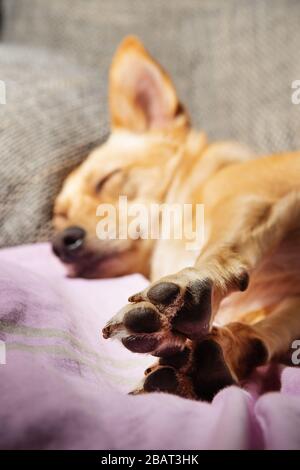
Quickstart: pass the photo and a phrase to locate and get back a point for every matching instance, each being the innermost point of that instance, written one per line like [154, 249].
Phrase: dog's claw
[136, 298]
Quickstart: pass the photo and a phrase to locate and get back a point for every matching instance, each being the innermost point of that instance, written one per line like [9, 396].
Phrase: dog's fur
[252, 228]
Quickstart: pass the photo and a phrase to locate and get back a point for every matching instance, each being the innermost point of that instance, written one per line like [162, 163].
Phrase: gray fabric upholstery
[232, 61]
[52, 118]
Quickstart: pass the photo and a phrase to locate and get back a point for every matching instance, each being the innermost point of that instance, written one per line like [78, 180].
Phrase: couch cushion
[233, 62]
[55, 112]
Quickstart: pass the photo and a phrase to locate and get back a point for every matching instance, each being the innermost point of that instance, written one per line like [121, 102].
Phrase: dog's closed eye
[99, 186]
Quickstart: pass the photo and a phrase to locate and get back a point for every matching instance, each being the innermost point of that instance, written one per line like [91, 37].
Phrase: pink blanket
[63, 387]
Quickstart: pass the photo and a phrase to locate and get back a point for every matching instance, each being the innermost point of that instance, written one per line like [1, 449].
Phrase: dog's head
[148, 129]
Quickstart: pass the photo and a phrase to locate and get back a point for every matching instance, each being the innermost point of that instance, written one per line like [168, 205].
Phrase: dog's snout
[67, 243]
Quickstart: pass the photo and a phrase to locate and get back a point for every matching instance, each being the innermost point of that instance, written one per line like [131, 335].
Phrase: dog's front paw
[161, 318]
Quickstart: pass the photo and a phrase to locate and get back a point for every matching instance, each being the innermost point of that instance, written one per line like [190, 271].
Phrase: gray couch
[233, 63]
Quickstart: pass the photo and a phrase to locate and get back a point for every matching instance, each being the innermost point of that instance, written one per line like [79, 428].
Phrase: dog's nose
[67, 244]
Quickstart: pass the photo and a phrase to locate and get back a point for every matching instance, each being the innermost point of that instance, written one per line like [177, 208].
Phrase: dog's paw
[197, 372]
[161, 318]
[226, 356]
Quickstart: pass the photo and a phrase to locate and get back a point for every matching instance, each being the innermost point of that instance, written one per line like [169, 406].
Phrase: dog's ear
[141, 95]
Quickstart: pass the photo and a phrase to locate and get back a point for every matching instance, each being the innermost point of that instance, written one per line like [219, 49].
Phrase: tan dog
[246, 276]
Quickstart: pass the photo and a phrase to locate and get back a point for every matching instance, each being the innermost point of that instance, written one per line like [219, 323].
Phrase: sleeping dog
[210, 315]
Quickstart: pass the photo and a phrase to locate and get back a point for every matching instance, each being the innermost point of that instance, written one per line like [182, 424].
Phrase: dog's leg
[279, 330]
[174, 316]
[183, 305]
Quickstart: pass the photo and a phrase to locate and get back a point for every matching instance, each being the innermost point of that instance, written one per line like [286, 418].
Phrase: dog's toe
[142, 319]
[141, 343]
[176, 359]
[163, 379]
[163, 293]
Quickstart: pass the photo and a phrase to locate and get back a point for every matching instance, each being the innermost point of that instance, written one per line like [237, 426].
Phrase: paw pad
[141, 344]
[162, 380]
[163, 293]
[142, 319]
